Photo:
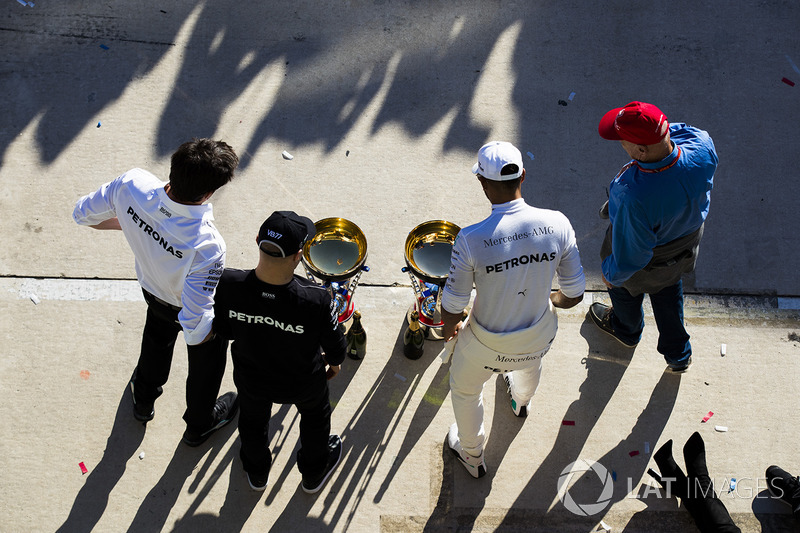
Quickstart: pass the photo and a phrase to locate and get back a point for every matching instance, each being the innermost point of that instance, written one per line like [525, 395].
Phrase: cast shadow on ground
[156, 506]
[123, 442]
[366, 437]
[772, 514]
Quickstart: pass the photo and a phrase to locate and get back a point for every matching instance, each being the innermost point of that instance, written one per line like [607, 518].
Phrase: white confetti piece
[398, 376]
[141, 455]
[723, 349]
[287, 155]
[35, 299]
[721, 429]
[605, 526]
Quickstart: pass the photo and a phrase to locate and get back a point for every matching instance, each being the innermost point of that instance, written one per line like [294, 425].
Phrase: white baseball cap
[494, 156]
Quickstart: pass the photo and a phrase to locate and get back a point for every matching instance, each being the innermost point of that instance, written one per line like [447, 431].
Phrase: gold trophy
[336, 255]
[427, 253]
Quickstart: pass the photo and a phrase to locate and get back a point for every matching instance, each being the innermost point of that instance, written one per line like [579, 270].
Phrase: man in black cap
[286, 345]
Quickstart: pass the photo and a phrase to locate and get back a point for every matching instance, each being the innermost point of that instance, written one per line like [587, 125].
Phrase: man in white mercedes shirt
[179, 257]
[511, 258]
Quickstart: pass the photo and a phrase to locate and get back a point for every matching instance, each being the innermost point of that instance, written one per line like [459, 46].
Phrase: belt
[162, 302]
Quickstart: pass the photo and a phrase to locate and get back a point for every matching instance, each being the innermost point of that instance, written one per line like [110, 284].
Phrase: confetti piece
[98, 124]
[287, 155]
[733, 484]
[141, 456]
[567, 422]
[709, 415]
[633, 453]
[347, 153]
[605, 526]
[788, 82]
[530, 155]
[723, 349]
[562, 102]
[35, 299]
[571, 96]
[721, 429]
[398, 376]
[104, 47]
[23, 2]
[31, 4]
[646, 447]
[789, 59]
[614, 475]
[84, 470]
[85, 374]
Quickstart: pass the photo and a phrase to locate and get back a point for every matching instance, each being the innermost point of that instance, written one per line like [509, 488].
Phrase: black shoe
[224, 410]
[601, 316]
[257, 482]
[141, 411]
[311, 485]
[679, 368]
[784, 486]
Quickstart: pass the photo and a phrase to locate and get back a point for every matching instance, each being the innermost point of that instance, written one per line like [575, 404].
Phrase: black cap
[286, 230]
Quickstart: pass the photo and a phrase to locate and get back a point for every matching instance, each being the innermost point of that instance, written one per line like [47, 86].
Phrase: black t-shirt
[277, 330]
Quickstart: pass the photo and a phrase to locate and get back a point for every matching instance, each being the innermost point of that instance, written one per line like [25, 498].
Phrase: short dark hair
[201, 166]
[505, 187]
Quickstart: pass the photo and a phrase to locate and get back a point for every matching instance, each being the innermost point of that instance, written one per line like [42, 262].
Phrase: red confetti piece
[788, 82]
[85, 374]
[84, 470]
[634, 453]
[567, 422]
[709, 415]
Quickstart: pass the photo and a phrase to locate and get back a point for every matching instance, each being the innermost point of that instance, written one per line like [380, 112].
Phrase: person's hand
[610, 286]
[332, 370]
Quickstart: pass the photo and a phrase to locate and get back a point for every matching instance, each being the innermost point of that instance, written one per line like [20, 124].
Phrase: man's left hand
[332, 371]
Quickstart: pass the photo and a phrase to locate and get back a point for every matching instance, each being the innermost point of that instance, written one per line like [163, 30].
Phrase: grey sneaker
[601, 316]
[474, 465]
[679, 368]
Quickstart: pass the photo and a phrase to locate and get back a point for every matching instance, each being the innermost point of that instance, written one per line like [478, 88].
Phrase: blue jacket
[651, 204]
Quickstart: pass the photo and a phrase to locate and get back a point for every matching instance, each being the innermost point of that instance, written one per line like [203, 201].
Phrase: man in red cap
[657, 206]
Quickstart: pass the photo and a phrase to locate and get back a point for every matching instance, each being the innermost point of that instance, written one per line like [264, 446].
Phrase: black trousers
[206, 365]
[255, 408]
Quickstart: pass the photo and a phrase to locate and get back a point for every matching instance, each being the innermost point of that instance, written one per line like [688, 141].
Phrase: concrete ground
[383, 105]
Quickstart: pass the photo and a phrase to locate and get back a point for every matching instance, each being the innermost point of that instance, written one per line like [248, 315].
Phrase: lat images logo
[575, 470]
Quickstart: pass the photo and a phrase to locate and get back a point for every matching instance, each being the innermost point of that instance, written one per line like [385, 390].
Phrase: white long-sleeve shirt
[179, 253]
[512, 258]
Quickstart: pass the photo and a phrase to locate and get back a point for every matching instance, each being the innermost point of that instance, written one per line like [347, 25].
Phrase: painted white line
[73, 289]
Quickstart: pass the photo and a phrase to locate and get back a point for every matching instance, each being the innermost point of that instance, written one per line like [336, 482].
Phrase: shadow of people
[365, 439]
[628, 460]
[156, 506]
[240, 501]
[123, 442]
[604, 371]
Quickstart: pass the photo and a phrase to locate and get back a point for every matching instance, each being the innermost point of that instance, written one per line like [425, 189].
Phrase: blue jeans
[628, 320]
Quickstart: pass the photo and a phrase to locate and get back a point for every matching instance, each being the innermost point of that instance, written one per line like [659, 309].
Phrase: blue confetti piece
[104, 47]
[98, 124]
[23, 2]
[733, 484]
[614, 475]
[530, 155]
[571, 96]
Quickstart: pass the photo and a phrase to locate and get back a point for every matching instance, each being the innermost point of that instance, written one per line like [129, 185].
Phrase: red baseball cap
[637, 122]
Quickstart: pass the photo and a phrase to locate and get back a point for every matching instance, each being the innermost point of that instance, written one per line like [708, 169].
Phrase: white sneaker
[519, 409]
[474, 465]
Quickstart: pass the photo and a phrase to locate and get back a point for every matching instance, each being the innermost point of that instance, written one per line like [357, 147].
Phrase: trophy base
[432, 327]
